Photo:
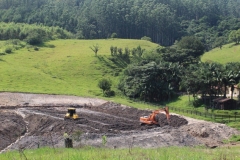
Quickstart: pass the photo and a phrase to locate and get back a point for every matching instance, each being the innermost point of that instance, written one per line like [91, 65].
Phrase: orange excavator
[151, 119]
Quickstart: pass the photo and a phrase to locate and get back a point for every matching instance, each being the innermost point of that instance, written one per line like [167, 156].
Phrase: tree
[150, 81]
[146, 38]
[114, 35]
[234, 36]
[105, 85]
[95, 49]
[192, 44]
[219, 42]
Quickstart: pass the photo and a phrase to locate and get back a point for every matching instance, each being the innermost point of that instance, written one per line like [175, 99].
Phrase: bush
[8, 50]
[114, 35]
[36, 48]
[146, 38]
[197, 103]
[34, 39]
[109, 93]
[105, 85]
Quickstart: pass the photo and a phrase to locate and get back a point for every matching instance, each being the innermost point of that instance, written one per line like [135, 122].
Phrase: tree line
[32, 34]
[164, 21]
[159, 78]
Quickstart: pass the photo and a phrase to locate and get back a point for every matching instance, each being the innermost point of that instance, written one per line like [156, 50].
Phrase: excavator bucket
[151, 119]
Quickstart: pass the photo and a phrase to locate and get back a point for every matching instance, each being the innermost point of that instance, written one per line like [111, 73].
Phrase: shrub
[146, 38]
[114, 35]
[105, 85]
[109, 93]
[34, 39]
[197, 103]
[8, 50]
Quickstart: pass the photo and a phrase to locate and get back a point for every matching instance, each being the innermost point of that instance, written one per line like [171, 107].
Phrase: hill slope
[228, 53]
[63, 67]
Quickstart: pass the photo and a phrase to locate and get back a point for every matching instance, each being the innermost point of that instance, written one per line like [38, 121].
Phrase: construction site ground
[37, 120]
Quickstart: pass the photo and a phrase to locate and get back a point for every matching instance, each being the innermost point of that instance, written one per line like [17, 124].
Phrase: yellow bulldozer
[71, 114]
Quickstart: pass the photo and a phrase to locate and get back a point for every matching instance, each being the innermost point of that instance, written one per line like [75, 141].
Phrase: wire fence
[223, 118]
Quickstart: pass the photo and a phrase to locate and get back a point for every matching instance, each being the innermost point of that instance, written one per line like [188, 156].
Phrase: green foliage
[114, 35]
[201, 77]
[120, 52]
[162, 21]
[111, 49]
[234, 36]
[8, 50]
[234, 138]
[150, 81]
[34, 39]
[105, 85]
[104, 140]
[33, 34]
[197, 102]
[146, 38]
[193, 44]
[219, 42]
[95, 48]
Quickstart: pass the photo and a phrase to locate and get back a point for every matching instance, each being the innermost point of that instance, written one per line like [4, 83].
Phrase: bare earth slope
[35, 120]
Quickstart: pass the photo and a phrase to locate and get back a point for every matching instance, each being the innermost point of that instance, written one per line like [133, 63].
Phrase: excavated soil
[36, 120]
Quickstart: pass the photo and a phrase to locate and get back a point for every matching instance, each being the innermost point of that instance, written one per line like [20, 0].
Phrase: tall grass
[89, 153]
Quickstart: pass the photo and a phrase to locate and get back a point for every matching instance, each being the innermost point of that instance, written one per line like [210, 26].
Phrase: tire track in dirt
[119, 123]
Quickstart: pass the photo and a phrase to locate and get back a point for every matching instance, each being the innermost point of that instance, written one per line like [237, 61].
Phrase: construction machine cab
[151, 119]
[71, 114]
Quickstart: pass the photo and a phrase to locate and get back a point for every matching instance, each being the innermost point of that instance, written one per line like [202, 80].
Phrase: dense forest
[164, 21]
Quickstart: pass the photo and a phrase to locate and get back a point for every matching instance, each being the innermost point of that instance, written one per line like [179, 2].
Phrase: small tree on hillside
[114, 35]
[95, 49]
[105, 85]
[234, 36]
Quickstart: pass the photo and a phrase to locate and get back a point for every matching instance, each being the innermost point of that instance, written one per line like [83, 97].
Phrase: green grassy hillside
[228, 53]
[63, 67]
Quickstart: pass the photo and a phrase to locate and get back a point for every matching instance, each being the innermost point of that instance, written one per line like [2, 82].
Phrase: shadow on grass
[113, 62]
[233, 45]
[46, 45]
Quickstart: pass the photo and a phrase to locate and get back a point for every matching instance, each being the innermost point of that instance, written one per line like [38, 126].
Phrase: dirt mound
[211, 134]
[12, 126]
[45, 124]
[174, 121]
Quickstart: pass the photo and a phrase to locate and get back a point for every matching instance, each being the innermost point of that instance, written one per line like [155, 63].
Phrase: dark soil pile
[44, 125]
[12, 127]
[47, 124]
[174, 121]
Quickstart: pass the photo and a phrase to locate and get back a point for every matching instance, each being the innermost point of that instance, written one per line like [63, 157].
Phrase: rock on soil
[39, 121]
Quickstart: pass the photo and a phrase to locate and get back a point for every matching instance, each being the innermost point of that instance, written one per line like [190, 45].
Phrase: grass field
[89, 153]
[70, 67]
[63, 67]
[228, 53]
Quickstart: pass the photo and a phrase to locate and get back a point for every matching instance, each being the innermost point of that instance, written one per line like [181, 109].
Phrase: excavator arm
[151, 119]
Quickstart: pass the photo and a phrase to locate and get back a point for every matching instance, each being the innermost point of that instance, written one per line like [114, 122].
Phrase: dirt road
[35, 120]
